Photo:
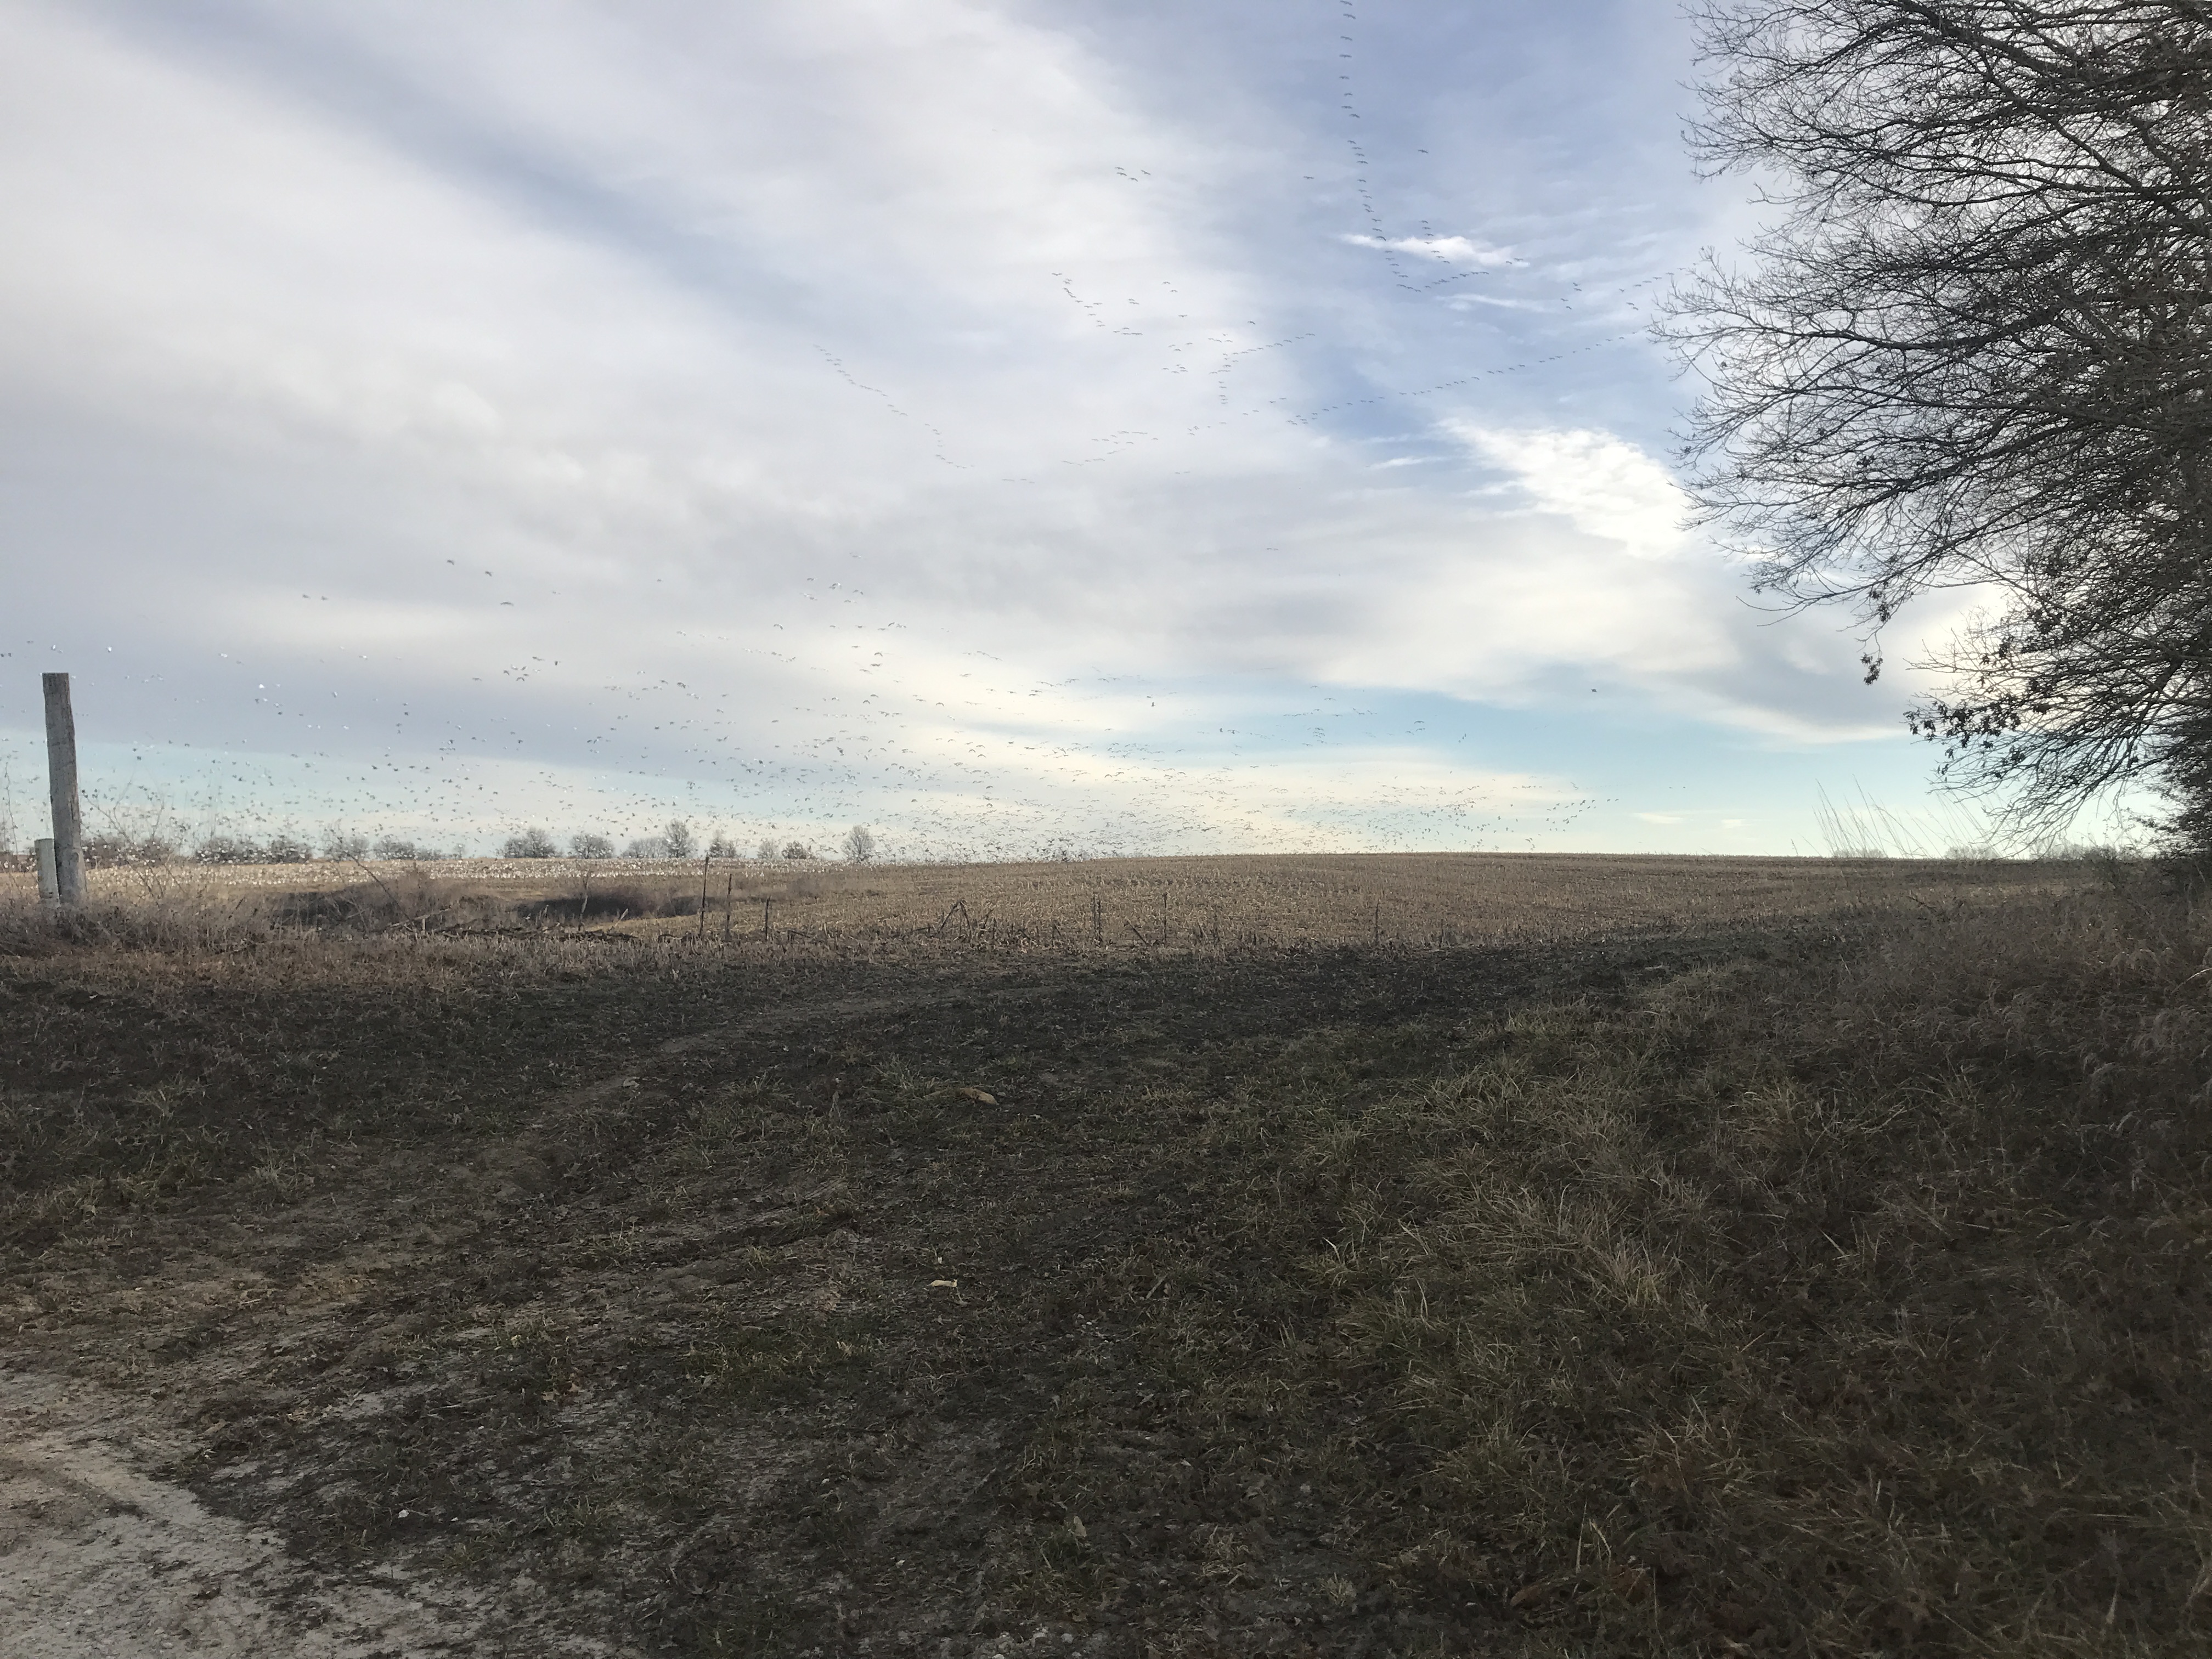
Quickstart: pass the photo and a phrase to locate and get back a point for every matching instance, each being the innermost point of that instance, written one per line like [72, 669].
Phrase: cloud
[1472, 301]
[924, 412]
[1603, 485]
[1447, 249]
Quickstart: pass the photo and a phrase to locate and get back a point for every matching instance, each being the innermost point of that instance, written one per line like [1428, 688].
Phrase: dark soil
[755, 1310]
[1800, 1291]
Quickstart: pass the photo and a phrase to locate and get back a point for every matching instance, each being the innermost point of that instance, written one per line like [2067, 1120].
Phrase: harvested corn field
[1208, 905]
[1827, 1276]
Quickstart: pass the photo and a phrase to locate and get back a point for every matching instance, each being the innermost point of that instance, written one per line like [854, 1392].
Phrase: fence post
[50, 893]
[61, 784]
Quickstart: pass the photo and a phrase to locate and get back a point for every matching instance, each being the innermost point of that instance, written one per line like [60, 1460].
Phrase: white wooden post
[49, 890]
[61, 784]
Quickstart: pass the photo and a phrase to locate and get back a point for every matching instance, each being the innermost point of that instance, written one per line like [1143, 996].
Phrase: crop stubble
[1749, 1264]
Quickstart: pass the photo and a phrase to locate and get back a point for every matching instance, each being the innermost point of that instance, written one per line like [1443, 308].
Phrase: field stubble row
[1417, 901]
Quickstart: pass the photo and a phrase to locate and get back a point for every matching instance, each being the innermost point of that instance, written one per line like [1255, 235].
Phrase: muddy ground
[1830, 1287]
[702, 1308]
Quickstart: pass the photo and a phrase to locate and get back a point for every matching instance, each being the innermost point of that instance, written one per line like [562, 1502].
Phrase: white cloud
[1494, 302]
[1601, 484]
[718, 336]
[1446, 250]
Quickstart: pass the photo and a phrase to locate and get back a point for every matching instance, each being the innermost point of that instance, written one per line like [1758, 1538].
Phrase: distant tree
[768, 850]
[797, 850]
[590, 847]
[226, 849]
[860, 844]
[1974, 348]
[285, 847]
[646, 847]
[338, 843]
[721, 847]
[678, 834]
[532, 843]
[113, 849]
[397, 846]
[106, 849]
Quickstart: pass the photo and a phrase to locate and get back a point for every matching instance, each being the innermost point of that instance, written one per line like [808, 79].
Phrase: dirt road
[100, 1558]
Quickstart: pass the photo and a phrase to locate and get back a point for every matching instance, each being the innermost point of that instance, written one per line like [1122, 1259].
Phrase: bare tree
[860, 844]
[1972, 349]
[532, 843]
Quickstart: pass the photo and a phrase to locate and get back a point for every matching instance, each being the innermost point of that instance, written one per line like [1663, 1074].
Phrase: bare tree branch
[1974, 348]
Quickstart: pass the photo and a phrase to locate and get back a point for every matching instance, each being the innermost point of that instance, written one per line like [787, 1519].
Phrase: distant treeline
[677, 840]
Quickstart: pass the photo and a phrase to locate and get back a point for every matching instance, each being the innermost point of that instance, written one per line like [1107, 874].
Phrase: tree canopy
[1972, 347]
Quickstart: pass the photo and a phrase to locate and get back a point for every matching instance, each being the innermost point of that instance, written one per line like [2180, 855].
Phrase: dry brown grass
[1832, 1277]
[1406, 901]
[1842, 1309]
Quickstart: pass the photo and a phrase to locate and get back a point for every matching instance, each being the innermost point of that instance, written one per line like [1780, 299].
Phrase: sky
[1025, 427]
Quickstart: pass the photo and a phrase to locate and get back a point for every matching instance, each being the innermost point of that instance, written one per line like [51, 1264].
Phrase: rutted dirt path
[102, 1558]
[99, 1559]
[869, 1313]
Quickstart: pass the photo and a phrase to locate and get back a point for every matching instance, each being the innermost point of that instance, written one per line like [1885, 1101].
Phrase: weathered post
[61, 784]
[49, 892]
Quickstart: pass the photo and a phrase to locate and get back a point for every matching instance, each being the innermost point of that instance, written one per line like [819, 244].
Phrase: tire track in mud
[324, 1332]
[100, 1557]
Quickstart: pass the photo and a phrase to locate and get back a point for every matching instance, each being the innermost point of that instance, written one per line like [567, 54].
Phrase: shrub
[412, 899]
[613, 902]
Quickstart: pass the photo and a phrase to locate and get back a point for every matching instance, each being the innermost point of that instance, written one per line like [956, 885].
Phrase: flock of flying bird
[947, 763]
